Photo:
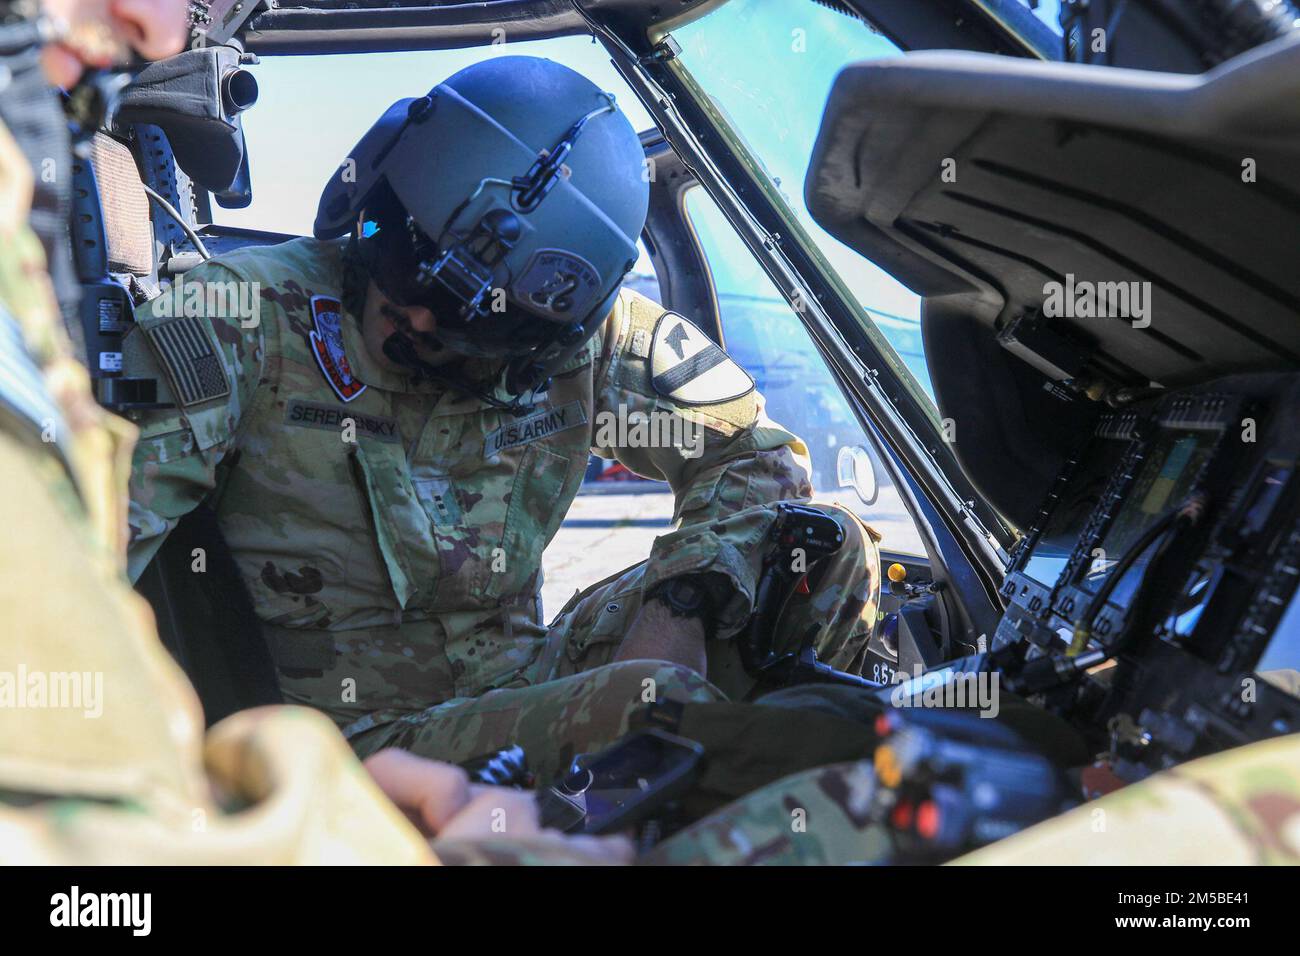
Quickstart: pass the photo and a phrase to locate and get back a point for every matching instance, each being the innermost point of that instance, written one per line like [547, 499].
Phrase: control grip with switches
[914, 634]
[941, 791]
[801, 537]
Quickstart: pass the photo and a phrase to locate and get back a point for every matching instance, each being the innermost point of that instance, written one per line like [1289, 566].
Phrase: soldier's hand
[439, 799]
[428, 792]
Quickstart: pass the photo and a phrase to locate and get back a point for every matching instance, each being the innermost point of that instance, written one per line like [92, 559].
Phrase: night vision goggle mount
[465, 269]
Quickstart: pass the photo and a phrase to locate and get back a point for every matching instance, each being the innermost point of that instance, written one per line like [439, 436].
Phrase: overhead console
[1079, 234]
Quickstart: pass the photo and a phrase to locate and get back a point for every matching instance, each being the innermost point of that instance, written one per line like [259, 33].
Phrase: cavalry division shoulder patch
[327, 347]
[687, 367]
[193, 367]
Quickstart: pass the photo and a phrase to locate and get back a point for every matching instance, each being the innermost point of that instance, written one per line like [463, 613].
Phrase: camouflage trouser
[577, 701]
[837, 615]
[553, 722]
[815, 817]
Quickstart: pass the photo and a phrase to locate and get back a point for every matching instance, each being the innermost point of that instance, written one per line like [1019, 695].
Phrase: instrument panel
[1201, 624]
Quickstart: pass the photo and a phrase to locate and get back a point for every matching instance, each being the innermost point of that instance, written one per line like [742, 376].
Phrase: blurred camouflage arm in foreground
[180, 447]
[104, 759]
[1237, 807]
[103, 756]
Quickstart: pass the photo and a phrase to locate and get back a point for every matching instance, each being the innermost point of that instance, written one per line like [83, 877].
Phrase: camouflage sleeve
[672, 406]
[1235, 808]
[209, 362]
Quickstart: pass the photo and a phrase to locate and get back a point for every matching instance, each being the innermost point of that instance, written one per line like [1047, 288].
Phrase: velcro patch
[327, 346]
[194, 370]
[557, 283]
[331, 418]
[640, 344]
[438, 497]
[687, 367]
[540, 424]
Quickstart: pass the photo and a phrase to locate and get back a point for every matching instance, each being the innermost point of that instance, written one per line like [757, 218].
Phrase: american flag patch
[192, 364]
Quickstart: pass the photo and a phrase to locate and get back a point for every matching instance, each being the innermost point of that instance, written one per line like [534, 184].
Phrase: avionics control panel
[1171, 545]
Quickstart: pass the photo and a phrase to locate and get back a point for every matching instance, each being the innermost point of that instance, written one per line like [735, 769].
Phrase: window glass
[763, 334]
[1049, 11]
[767, 67]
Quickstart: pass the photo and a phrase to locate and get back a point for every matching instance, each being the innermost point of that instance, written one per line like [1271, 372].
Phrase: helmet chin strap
[399, 349]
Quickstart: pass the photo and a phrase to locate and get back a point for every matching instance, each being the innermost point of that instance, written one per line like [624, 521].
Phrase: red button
[927, 820]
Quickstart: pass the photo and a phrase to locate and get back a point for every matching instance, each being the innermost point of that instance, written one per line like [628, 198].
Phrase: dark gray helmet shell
[449, 157]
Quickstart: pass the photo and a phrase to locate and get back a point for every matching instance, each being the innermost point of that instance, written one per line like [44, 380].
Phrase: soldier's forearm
[657, 634]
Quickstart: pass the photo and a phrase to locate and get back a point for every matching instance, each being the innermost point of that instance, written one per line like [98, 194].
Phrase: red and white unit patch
[327, 346]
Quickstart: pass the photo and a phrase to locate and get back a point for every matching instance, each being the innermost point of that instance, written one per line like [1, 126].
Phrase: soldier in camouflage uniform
[388, 513]
[136, 783]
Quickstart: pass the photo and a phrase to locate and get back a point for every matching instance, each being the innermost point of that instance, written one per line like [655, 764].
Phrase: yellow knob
[888, 772]
[897, 573]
